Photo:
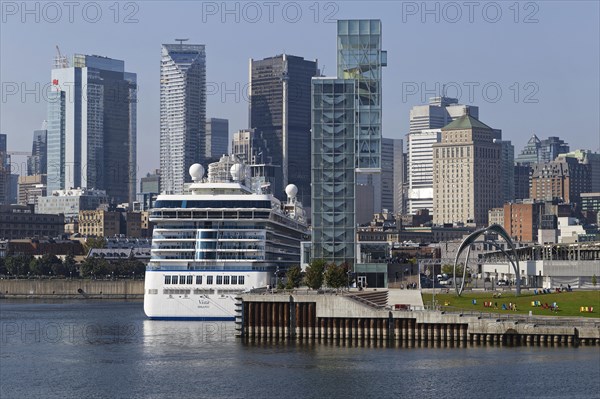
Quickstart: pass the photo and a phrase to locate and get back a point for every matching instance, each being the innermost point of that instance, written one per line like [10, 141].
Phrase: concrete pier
[337, 318]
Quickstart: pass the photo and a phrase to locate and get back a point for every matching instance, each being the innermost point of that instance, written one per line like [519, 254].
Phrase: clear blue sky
[543, 56]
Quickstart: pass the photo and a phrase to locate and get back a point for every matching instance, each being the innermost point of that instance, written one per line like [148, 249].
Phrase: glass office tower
[359, 57]
[333, 169]
[91, 127]
[346, 137]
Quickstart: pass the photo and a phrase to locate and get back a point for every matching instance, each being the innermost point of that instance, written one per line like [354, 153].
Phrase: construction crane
[60, 61]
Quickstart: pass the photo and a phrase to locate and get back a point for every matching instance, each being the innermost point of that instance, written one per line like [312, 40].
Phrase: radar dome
[291, 190]
[196, 172]
[237, 172]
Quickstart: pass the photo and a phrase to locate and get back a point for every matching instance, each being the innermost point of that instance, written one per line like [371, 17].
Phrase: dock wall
[76, 288]
[313, 317]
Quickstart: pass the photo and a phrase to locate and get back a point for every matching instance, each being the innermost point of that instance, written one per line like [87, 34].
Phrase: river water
[106, 349]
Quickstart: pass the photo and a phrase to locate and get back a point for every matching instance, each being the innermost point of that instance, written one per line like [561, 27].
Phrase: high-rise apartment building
[346, 137]
[37, 162]
[91, 139]
[280, 114]
[217, 138]
[182, 113]
[466, 173]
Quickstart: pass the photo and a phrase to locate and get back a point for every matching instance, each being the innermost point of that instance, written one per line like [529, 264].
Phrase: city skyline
[544, 77]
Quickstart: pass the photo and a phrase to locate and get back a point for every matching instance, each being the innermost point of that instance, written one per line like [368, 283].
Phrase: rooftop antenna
[181, 41]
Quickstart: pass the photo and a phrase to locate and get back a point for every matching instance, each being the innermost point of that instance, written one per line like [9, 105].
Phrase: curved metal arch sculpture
[495, 228]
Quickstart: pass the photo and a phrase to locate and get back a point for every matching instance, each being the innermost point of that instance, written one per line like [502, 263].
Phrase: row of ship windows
[220, 280]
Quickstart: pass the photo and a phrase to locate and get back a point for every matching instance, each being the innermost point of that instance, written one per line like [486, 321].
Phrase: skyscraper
[280, 113]
[399, 177]
[346, 137]
[4, 171]
[217, 138]
[420, 169]
[531, 152]
[388, 163]
[360, 58]
[425, 124]
[507, 178]
[182, 113]
[37, 162]
[334, 169]
[91, 127]
[466, 173]
[438, 113]
[249, 147]
[539, 151]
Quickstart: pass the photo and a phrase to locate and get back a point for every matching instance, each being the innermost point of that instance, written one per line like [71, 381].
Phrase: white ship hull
[198, 300]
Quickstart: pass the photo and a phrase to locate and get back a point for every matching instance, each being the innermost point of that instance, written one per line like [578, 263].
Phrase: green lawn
[569, 303]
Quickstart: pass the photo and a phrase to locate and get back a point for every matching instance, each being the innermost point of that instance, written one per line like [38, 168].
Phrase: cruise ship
[225, 236]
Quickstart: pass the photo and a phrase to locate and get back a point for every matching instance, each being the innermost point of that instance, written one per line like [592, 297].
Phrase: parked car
[502, 282]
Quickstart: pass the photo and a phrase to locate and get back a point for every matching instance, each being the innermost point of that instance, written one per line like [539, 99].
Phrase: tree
[336, 276]
[594, 280]
[314, 274]
[70, 266]
[2, 266]
[94, 242]
[294, 277]
[18, 265]
[449, 269]
[51, 263]
[94, 267]
[129, 267]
